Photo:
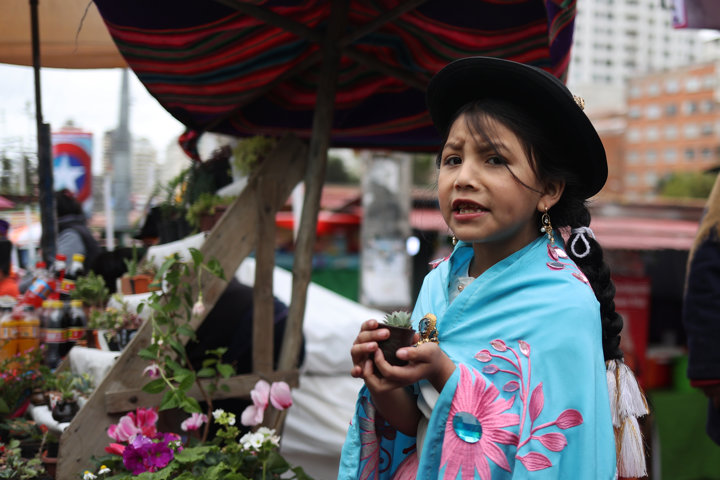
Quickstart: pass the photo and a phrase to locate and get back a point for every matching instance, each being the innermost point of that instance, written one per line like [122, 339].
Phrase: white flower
[231, 419]
[152, 371]
[88, 475]
[103, 470]
[198, 308]
[218, 413]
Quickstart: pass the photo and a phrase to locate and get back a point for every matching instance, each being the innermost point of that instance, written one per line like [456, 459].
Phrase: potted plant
[401, 335]
[14, 466]
[133, 281]
[69, 386]
[19, 376]
[207, 210]
[249, 152]
[116, 323]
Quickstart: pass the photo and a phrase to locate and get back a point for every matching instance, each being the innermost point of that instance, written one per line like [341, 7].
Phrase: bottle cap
[78, 257]
[76, 303]
[60, 256]
[40, 264]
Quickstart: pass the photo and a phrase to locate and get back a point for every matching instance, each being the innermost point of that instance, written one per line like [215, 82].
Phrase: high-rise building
[616, 39]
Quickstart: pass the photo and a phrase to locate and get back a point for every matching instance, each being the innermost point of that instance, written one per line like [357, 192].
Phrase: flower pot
[49, 463]
[64, 410]
[135, 284]
[124, 335]
[208, 220]
[399, 337]
[37, 397]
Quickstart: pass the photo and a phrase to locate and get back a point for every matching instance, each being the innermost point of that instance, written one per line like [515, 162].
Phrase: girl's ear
[553, 192]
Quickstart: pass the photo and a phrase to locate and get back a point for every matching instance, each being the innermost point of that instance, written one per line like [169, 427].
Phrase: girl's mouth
[464, 207]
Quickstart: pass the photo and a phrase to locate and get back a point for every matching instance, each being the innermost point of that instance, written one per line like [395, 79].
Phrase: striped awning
[252, 67]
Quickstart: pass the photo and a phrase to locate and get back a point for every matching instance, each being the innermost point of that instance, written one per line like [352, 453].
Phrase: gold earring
[454, 240]
[547, 226]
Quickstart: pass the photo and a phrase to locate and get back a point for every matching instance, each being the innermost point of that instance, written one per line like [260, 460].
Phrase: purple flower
[145, 455]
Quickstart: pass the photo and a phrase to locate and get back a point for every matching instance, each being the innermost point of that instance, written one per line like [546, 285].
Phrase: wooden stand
[248, 225]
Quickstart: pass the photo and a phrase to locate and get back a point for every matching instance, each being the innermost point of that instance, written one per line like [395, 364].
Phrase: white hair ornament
[580, 233]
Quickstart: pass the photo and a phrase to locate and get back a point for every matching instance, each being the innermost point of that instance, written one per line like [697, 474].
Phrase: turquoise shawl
[528, 399]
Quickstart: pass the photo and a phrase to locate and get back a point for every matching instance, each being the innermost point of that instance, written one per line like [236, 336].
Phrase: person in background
[701, 311]
[8, 284]
[73, 234]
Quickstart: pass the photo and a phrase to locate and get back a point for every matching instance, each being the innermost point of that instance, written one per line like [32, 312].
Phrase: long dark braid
[597, 272]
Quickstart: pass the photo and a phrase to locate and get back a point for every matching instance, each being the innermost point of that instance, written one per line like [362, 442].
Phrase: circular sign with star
[71, 170]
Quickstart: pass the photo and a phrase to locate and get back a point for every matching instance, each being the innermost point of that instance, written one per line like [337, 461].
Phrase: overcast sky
[90, 98]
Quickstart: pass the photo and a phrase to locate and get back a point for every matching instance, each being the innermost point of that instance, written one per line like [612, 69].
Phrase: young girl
[509, 379]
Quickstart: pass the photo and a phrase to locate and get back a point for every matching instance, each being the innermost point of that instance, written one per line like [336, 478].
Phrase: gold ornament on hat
[579, 101]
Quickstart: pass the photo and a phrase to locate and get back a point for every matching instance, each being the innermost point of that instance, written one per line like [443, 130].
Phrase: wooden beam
[314, 178]
[230, 241]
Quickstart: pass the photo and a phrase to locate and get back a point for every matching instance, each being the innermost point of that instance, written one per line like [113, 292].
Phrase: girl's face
[481, 193]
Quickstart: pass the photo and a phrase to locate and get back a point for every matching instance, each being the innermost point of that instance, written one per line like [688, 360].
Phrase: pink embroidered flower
[193, 422]
[280, 396]
[479, 400]
[142, 421]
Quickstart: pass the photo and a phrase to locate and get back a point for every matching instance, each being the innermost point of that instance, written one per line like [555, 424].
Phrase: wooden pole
[314, 178]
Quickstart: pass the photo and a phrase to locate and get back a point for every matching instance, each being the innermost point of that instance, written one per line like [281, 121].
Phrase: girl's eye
[452, 160]
[496, 160]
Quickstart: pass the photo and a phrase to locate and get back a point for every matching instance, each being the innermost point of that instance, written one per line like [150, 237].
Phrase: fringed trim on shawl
[627, 404]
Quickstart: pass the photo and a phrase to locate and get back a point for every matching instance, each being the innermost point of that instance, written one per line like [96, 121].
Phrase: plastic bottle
[28, 329]
[76, 325]
[73, 272]
[8, 335]
[54, 335]
[40, 288]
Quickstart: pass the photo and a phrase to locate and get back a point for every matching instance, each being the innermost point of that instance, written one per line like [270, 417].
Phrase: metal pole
[45, 167]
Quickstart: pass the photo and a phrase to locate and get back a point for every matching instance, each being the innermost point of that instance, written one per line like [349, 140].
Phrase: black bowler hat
[535, 91]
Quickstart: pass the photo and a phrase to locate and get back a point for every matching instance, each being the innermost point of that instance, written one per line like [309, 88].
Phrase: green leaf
[140, 307]
[300, 473]
[170, 400]
[206, 373]
[194, 454]
[216, 268]
[225, 370]
[208, 362]
[224, 388]
[149, 353]
[196, 256]
[4, 406]
[154, 386]
[190, 405]
[276, 463]
[186, 381]
[177, 346]
[186, 330]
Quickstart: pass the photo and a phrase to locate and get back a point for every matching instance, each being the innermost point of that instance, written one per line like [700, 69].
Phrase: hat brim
[537, 92]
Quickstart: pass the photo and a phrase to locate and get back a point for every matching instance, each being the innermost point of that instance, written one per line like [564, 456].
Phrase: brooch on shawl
[428, 329]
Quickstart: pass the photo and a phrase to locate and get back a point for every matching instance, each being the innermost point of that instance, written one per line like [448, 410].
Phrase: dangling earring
[454, 240]
[547, 226]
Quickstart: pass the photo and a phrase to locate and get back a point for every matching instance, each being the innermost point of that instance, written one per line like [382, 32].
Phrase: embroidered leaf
[537, 401]
[511, 386]
[552, 253]
[498, 345]
[490, 369]
[569, 418]
[535, 461]
[524, 347]
[581, 277]
[553, 441]
[483, 356]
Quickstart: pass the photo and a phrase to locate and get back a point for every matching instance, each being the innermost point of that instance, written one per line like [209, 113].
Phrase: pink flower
[480, 400]
[152, 371]
[280, 396]
[253, 414]
[141, 422]
[115, 449]
[198, 308]
[195, 421]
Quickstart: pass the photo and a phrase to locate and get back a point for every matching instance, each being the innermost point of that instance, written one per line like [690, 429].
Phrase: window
[706, 129]
[650, 157]
[670, 155]
[633, 135]
[631, 179]
[671, 132]
[689, 154]
[707, 106]
[706, 153]
[690, 107]
[635, 91]
[652, 134]
[692, 84]
[653, 90]
[672, 85]
[651, 179]
[708, 82]
[691, 131]
[635, 112]
[653, 111]
[670, 109]
[632, 158]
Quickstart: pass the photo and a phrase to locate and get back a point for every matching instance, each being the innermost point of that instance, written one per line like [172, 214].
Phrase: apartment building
[673, 124]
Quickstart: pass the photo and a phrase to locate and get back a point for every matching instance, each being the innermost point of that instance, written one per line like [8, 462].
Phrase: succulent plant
[398, 318]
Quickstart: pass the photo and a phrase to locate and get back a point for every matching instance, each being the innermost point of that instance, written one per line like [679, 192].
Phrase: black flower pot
[65, 410]
[399, 337]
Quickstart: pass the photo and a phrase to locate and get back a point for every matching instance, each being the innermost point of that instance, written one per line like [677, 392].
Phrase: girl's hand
[365, 346]
[426, 361]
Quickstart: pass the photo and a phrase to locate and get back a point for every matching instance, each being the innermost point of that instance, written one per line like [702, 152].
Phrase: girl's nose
[467, 176]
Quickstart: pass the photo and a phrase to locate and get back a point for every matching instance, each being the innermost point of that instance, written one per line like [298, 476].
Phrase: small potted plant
[133, 281]
[69, 385]
[207, 210]
[401, 335]
[249, 152]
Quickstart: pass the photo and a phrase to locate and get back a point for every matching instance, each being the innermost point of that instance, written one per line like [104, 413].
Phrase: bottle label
[27, 331]
[40, 288]
[7, 333]
[54, 335]
[75, 334]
